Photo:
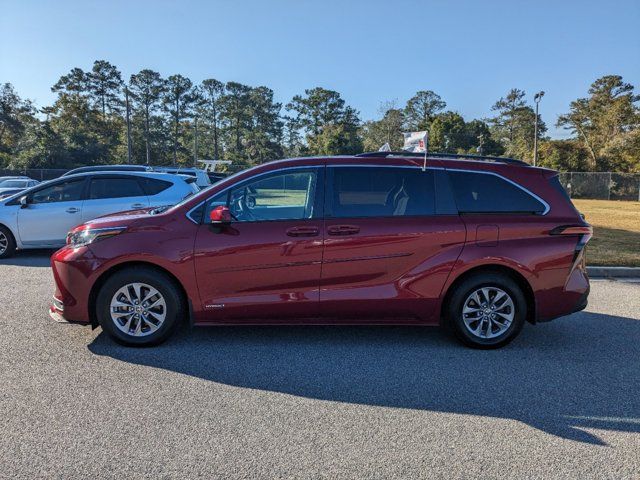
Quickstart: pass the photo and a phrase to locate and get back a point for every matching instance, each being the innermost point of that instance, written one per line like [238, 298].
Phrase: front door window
[68, 191]
[281, 196]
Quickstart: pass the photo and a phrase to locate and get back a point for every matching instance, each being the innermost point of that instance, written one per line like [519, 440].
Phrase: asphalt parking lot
[563, 400]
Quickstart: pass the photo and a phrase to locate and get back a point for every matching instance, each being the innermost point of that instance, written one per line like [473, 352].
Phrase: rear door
[51, 212]
[388, 248]
[113, 193]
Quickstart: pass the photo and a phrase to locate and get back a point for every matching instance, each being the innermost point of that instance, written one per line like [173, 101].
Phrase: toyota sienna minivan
[479, 245]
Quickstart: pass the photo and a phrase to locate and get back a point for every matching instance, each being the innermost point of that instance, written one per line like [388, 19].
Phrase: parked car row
[202, 179]
[41, 216]
[12, 185]
[481, 246]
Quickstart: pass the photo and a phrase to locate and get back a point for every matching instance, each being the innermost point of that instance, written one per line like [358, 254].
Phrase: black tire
[6, 236]
[175, 305]
[454, 309]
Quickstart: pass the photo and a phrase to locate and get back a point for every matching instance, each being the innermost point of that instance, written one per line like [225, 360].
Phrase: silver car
[10, 186]
[41, 216]
[202, 179]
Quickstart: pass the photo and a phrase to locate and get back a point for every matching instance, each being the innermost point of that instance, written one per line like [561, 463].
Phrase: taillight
[586, 231]
[583, 232]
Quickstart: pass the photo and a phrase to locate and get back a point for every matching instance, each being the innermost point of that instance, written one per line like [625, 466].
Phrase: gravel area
[562, 401]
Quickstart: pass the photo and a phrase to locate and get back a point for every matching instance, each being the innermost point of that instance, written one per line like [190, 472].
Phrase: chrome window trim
[301, 167]
[547, 208]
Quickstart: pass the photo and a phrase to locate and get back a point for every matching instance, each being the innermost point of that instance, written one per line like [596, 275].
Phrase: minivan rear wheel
[487, 310]
[139, 306]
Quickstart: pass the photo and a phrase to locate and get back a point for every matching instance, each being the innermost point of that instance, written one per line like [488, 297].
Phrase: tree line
[99, 118]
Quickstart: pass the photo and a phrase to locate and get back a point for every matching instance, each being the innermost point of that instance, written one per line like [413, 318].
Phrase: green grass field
[616, 232]
[280, 197]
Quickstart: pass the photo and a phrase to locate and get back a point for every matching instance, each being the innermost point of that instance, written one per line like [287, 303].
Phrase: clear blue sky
[470, 52]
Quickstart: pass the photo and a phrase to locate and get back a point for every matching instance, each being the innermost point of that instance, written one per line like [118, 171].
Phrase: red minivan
[479, 245]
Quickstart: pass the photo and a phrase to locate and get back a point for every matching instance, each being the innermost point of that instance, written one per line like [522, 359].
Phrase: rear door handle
[73, 210]
[138, 205]
[303, 231]
[343, 230]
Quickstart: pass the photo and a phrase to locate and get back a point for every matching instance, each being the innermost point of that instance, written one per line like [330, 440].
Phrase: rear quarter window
[153, 186]
[488, 193]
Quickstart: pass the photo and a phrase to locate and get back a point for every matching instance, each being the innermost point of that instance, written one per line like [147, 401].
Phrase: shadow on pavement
[574, 373]
[30, 258]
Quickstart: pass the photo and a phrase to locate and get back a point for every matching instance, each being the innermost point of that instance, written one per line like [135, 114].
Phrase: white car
[9, 186]
[41, 216]
[14, 177]
[202, 179]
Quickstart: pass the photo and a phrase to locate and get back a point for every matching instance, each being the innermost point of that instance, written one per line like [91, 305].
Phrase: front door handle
[72, 210]
[343, 230]
[138, 205]
[303, 231]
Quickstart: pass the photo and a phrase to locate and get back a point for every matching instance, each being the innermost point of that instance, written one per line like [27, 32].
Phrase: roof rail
[461, 156]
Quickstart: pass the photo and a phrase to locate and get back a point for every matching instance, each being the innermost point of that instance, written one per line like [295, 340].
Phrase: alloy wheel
[138, 309]
[488, 312]
[4, 243]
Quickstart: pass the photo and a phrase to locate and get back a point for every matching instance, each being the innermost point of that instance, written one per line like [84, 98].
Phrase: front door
[51, 212]
[266, 264]
[387, 251]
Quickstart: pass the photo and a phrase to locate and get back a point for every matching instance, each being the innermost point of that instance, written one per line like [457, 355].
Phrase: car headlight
[80, 238]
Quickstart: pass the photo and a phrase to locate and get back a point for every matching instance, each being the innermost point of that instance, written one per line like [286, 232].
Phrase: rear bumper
[580, 305]
[563, 300]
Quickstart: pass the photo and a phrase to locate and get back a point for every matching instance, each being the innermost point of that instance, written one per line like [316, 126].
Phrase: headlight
[80, 238]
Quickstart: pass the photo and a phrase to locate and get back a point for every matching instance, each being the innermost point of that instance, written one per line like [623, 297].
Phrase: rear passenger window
[381, 192]
[114, 188]
[486, 193]
[153, 186]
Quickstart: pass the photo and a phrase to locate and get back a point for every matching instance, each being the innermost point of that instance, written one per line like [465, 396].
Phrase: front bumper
[73, 273]
[57, 315]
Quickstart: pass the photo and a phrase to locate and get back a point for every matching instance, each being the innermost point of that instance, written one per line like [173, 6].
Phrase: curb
[614, 272]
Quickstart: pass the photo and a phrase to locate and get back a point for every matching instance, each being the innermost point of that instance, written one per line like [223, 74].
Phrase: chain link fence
[589, 185]
[40, 174]
[602, 185]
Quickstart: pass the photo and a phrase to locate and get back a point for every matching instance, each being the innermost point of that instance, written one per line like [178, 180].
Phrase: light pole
[480, 149]
[536, 98]
[195, 143]
[126, 96]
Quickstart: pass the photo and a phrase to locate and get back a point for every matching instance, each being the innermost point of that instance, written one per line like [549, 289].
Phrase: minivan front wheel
[139, 306]
[487, 310]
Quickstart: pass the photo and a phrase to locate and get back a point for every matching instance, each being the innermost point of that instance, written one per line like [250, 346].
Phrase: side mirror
[220, 216]
[24, 202]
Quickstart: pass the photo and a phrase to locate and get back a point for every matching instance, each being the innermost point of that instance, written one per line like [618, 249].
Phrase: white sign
[385, 148]
[415, 142]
